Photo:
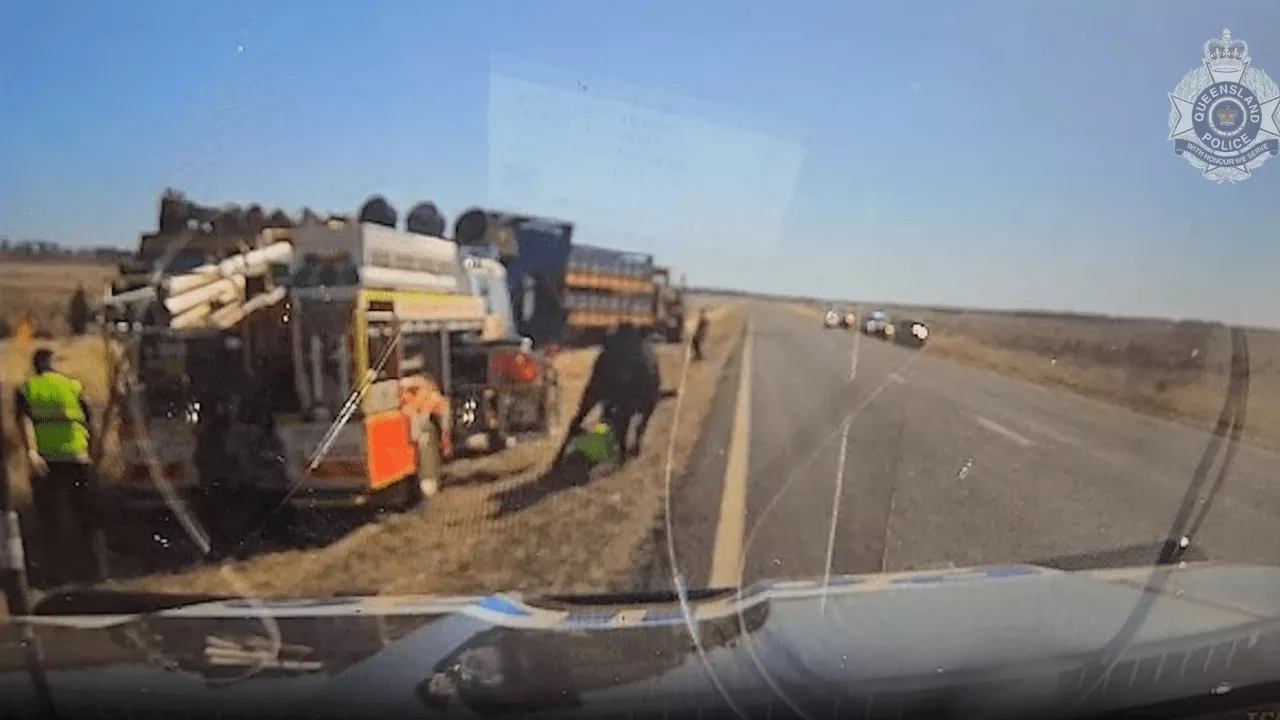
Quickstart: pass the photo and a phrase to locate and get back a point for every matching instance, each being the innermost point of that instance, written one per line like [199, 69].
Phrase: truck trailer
[563, 292]
[605, 287]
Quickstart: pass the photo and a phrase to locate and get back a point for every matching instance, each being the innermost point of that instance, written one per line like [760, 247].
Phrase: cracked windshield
[308, 300]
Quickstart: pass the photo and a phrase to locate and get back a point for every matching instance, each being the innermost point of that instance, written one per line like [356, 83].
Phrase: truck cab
[534, 253]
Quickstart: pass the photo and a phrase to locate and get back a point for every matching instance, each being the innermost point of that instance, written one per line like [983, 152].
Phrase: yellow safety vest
[62, 431]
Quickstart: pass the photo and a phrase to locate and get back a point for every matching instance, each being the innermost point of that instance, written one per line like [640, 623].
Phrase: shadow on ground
[482, 477]
[574, 471]
[154, 541]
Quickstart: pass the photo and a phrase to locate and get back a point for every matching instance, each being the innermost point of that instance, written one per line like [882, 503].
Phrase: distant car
[878, 325]
[911, 333]
[835, 318]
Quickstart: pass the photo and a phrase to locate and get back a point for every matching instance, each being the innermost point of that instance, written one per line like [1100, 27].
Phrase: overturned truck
[331, 362]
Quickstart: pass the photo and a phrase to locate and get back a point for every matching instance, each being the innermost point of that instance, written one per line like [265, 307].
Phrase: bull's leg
[646, 414]
[626, 450]
[617, 422]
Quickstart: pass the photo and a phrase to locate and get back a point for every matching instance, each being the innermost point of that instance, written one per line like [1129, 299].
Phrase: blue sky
[1010, 154]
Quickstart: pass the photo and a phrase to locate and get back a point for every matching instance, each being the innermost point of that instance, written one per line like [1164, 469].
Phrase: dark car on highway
[911, 333]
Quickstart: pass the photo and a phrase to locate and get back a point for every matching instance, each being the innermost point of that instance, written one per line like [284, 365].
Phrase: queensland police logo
[1225, 113]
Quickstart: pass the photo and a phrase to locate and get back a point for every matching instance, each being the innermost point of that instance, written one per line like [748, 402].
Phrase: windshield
[572, 298]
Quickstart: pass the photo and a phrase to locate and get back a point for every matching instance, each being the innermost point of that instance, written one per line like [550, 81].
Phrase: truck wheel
[426, 481]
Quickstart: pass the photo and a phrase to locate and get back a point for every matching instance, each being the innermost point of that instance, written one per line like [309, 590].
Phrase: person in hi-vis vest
[55, 420]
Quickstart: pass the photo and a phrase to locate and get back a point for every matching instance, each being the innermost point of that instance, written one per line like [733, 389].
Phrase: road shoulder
[697, 493]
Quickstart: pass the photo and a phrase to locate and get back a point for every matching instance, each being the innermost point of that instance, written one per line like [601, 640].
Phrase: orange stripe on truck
[389, 447]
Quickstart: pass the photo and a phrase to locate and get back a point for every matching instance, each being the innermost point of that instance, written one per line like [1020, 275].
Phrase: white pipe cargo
[232, 314]
[280, 252]
[227, 287]
[191, 318]
[391, 278]
[231, 295]
[228, 316]
[187, 282]
[264, 300]
[252, 263]
[179, 284]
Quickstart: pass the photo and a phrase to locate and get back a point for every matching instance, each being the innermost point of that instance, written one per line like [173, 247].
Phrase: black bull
[626, 381]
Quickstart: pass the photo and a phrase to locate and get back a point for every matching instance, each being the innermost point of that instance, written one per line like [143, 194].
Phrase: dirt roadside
[502, 522]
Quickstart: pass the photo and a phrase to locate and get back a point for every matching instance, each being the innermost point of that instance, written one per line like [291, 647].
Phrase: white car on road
[834, 318]
[879, 325]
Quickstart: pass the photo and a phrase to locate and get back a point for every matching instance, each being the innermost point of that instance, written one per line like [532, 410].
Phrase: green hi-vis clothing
[53, 401]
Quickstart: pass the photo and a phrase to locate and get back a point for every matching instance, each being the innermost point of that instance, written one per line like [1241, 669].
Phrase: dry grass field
[41, 291]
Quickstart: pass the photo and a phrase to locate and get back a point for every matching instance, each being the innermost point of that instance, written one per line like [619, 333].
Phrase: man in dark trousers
[55, 433]
[700, 334]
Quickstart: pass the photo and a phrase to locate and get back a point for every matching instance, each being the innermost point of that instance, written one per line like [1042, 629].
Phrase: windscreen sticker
[1008, 571]
[503, 606]
[994, 572]
[590, 619]
[667, 616]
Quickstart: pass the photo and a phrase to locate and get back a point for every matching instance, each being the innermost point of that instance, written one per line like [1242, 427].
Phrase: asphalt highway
[829, 452]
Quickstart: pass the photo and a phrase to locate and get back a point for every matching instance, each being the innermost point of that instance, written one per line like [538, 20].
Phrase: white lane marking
[888, 527]
[726, 558]
[1052, 433]
[835, 511]
[1002, 430]
[853, 362]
